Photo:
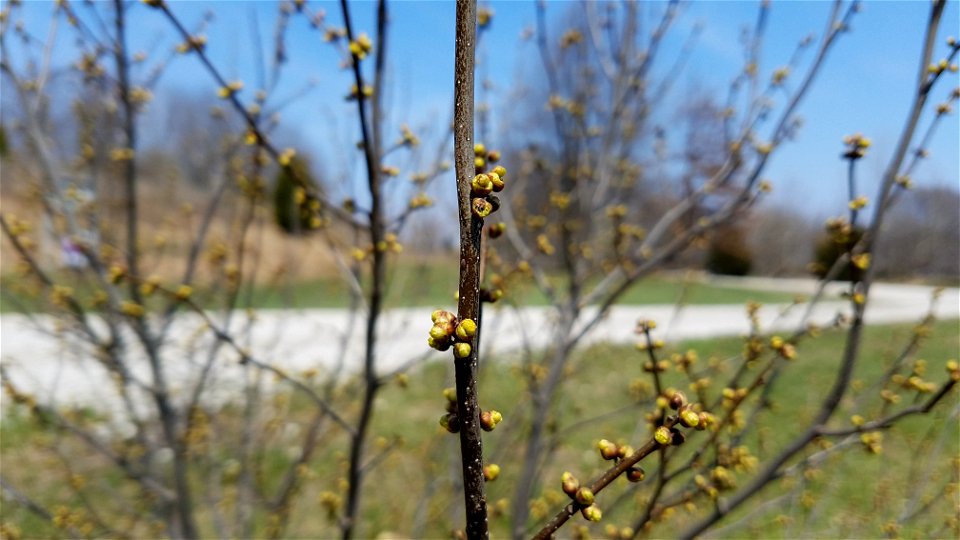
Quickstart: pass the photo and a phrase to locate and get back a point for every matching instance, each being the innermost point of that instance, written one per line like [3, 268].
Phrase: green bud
[569, 483]
[491, 472]
[591, 513]
[663, 436]
[608, 450]
[584, 496]
[439, 332]
[481, 185]
[496, 181]
[462, 350]
[466, 329]
[689, 418]
[486, 421]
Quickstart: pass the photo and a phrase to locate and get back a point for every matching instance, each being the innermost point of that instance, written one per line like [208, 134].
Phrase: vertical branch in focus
[471, 227]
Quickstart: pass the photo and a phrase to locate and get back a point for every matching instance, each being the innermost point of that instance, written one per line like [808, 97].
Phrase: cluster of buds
[448, 332]
[361, 46]
[355, 92]
[941, 66]
[231, 88]
[582, 495]
[783, 348]
[193, 43]
[490, 419]
[857, 146]
[485, 183]
[840, 230]
[872, 441]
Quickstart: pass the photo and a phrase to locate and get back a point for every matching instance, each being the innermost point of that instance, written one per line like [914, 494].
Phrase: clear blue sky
[865, 85]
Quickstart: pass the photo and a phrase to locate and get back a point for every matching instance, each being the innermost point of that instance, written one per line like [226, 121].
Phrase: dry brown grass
[171, 214]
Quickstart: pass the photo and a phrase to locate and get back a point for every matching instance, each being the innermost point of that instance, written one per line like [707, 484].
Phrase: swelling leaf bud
[636, 474]
[689, 418]
[491, 472]
[663, 436]
[487, 422]
[584, 496]
[482, 185]
[461, 350]
[466, 329]
[608, 450]
[592, 513]
[569, 484]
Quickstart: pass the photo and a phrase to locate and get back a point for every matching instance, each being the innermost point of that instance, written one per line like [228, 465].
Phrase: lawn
[409, 284]
[412, 490]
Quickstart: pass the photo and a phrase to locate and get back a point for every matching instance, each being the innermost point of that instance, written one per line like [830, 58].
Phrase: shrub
[290, 211]
[728, 253]
[831, 247]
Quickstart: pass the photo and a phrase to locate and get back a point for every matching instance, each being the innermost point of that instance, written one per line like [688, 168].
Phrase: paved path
[64, 371]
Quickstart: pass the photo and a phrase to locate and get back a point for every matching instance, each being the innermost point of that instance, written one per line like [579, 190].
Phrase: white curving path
[62, 370]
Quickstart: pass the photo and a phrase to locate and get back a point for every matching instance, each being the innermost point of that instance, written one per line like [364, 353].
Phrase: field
[852, 493]
[431, 283]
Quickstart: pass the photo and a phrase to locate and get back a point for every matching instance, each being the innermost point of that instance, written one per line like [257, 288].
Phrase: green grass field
[408, 285]
[851, 494]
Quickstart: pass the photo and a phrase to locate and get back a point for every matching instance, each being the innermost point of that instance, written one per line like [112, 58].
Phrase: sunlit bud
[462, 350]
[490, 419]
[491, 472]
[450, 394]
[663, 436]
[858, 203]
[131, 309]
[479, 162]
[592, 513]
[438, 332]
[953, 368]
[624, 451]
[116, 274]
[636, 474]
[584, 496]
[608, 450]
[481, 185]
[286, 156]
[479, 149]
[861, 260]
[689, 418]
[569, 483]
[442, 316]
[496, 181]
[705, 420]
[466, 329]
[183, 292]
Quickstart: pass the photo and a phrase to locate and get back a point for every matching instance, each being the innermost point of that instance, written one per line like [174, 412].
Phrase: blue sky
[865, 85]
